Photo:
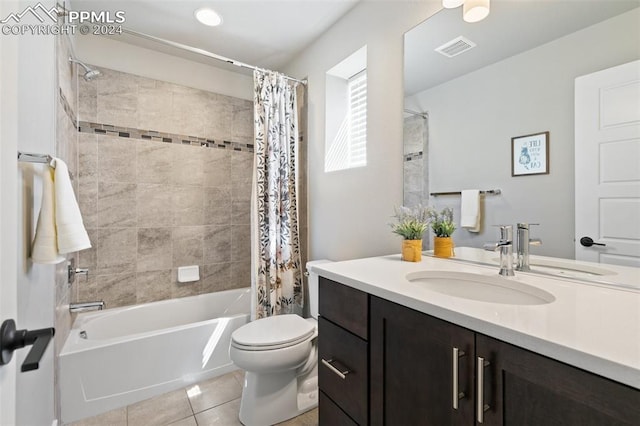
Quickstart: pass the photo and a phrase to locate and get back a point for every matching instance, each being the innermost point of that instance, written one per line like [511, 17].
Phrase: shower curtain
[276, 261]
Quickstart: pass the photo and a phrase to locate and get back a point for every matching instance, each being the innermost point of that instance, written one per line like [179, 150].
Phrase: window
[346, 113]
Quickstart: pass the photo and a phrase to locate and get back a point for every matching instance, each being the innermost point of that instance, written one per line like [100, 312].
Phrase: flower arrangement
[412, 222]
[442, 222]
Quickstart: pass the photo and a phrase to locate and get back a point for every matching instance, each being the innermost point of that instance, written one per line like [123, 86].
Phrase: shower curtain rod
[203, 52]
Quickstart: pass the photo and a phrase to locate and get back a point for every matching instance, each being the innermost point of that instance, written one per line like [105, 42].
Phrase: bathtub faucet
[86, 306]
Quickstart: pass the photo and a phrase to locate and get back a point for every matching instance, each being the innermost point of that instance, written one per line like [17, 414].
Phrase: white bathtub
[137, 352]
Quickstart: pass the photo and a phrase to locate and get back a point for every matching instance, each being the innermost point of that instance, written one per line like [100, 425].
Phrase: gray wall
[473, 118]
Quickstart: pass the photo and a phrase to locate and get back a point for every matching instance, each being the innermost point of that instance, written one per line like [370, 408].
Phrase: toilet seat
[272, 333]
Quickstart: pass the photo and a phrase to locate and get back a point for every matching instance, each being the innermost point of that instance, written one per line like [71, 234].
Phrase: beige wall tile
[154, 162]
[186, 165]
[188, 111]
[152, 286]
[184, 289]
[116, 159]
[216, 277]
[154, 249]
[115, 289]
[116, 204]
[89, 258]
[217, 244]
[219, 117]
[187, 205]
[241, 274]
[241, 213]
[217, 206]
[88, 203]
[216, 167]
[154, 203]
[187, 245]
[87, 157]
[117, 249]
[240, 242]
[154, 108]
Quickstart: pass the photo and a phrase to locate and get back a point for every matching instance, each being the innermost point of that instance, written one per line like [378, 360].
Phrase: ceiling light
[475, 10]
[452, 4]
[208, 17]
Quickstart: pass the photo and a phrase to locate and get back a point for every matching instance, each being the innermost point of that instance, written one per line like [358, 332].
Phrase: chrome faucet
[522, 246]
[506, 250]
[86, 306]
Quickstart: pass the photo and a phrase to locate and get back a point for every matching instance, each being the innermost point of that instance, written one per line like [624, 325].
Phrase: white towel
[470, 210]
[45, 243]
[72, 236]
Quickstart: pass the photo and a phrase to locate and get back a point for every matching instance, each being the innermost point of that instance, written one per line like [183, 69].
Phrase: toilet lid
[271, 331]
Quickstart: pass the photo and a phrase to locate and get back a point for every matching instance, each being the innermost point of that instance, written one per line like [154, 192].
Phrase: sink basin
[483, 288]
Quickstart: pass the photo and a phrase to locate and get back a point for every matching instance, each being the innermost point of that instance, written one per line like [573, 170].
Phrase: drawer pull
[457, 395]
[342, 374]
[481, 407]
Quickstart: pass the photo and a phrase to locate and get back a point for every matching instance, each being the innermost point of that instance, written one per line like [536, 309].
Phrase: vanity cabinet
[425, 371]
[343, 353]
[382, 363]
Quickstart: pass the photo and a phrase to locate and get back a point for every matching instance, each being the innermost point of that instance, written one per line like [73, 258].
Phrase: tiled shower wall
[415, 173]
[164, 181]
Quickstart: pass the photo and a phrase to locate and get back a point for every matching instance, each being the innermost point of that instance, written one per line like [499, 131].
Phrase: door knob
[588, 242]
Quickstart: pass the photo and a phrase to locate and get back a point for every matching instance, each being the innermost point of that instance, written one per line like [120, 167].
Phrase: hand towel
[72, 236]
[470, 210]
[45, 243]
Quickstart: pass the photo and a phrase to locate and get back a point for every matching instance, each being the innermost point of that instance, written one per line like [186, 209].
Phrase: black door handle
[588, 242]
[12, 339]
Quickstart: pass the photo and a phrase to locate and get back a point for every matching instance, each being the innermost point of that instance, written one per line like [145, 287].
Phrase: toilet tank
[313, 286]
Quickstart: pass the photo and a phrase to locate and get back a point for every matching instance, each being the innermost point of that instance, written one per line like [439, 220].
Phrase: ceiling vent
[455, 47]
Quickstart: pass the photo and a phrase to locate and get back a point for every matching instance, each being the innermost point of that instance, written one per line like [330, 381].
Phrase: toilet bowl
[280, 357]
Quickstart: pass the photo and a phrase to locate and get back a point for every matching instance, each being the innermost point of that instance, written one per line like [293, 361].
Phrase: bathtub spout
[86, 306]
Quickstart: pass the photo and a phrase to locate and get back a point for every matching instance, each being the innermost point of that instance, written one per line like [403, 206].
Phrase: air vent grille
[455, 47]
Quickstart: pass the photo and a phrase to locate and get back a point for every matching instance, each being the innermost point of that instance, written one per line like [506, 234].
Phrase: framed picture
[530, 154]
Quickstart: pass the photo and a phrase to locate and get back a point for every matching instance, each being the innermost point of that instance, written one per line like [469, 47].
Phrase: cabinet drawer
[345, 306]
[341, 352]
[329, 414]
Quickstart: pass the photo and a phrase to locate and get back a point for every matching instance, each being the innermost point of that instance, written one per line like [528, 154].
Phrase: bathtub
[120, 356]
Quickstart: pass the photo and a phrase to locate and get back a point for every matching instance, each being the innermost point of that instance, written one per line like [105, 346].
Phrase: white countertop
[591, 326]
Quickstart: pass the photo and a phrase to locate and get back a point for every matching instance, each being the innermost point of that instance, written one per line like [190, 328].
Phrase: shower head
[89, 73]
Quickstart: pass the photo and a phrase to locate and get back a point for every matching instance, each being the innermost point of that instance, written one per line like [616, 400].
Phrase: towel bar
[488, 191]
[29, 157]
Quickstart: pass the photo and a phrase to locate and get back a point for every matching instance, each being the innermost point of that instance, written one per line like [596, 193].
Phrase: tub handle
[12, 339]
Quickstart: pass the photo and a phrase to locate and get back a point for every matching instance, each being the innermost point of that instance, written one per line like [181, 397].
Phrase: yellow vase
[442, 246]
[412, 250]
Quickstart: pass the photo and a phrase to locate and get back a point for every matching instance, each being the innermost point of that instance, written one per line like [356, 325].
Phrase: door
[421, 368]
[8, 220]
[523, 388]
[607, 165]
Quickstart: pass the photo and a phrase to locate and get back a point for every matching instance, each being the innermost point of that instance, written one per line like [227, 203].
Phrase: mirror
[517, 79]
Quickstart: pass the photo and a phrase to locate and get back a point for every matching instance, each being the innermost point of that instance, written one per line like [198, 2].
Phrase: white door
[8, 216]
[607, 164]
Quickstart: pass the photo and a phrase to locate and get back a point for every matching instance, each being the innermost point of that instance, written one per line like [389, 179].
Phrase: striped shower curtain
[276, 261]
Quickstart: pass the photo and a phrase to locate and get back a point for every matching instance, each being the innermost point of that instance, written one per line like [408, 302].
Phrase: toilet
[280, 357]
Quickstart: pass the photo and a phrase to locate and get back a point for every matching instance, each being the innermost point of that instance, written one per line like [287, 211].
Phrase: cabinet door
[524, 388]
[412, 368]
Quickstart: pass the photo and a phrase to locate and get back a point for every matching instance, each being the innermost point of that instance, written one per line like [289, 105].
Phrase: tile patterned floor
[215, 402]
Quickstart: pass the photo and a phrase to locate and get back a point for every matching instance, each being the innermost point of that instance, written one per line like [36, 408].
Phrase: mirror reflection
[508, 76]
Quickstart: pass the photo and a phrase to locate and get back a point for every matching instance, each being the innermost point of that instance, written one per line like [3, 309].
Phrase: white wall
[113, 54]
[473, 118]
[28, 120]
[349, 210]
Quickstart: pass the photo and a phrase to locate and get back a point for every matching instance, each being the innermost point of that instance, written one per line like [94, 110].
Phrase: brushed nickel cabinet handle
[342, 374]
[457, 395]
[481, 406]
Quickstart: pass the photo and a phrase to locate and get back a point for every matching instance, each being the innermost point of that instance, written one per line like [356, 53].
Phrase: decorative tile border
[129, 132]
[152, 135]
[413, 156]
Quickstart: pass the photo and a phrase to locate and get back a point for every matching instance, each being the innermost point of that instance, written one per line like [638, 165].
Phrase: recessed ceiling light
[208, 17]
